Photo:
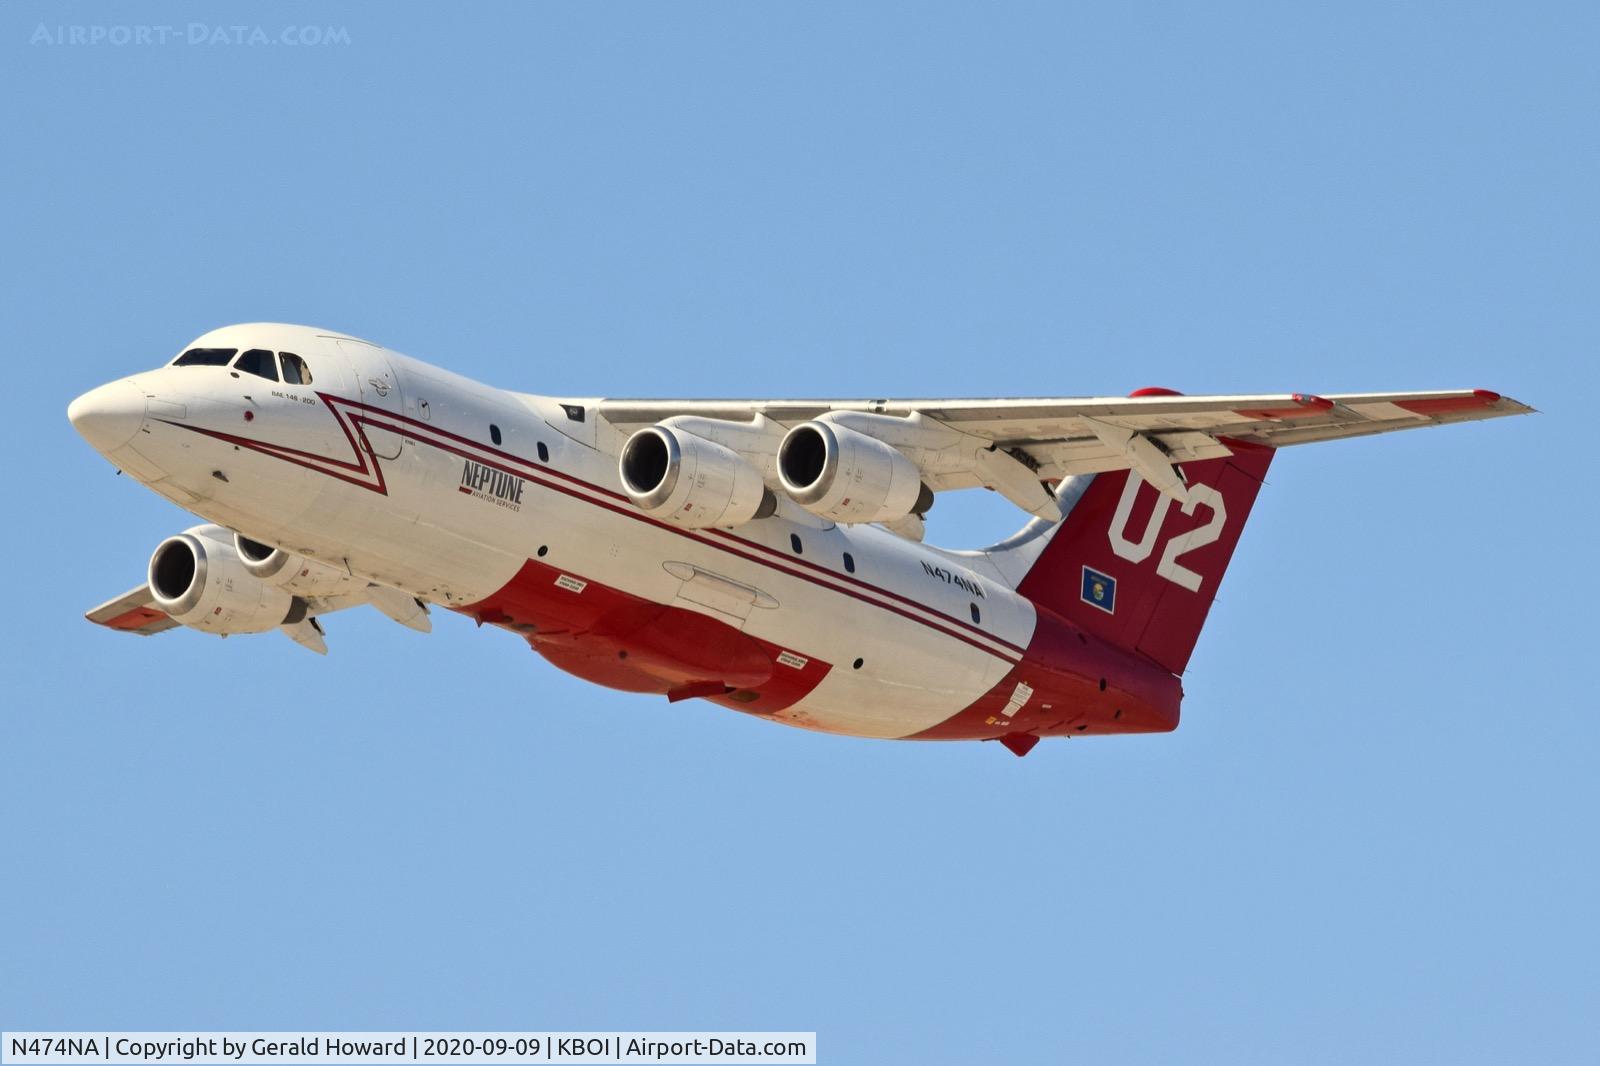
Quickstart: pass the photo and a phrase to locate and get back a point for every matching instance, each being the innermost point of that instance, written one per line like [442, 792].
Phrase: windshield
[205, 357]
[258, 361]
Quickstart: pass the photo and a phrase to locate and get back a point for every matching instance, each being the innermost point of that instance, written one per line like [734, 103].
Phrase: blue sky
[1371, 839]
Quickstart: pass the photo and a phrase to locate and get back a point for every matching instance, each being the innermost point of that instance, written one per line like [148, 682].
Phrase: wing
[135, 611]
[1054, 438]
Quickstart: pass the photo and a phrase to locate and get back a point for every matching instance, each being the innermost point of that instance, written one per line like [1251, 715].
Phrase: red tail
[1139, 569]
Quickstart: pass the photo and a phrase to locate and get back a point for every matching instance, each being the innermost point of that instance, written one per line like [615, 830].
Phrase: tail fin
[1135, 567]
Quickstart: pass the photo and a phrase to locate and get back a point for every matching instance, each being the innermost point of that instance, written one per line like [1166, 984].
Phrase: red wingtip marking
[1486, 396]
[1153, 390]
[137, 618]
[1019, 744]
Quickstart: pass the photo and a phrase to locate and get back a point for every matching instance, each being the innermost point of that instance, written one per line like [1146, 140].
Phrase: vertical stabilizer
[1133, 565]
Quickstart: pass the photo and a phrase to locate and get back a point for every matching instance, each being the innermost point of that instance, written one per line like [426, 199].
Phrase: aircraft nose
[109, 416]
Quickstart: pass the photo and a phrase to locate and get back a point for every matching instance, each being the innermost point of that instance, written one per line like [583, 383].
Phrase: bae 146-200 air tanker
[765, 555]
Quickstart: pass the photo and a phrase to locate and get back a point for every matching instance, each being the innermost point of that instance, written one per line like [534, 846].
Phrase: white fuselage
[425, 481]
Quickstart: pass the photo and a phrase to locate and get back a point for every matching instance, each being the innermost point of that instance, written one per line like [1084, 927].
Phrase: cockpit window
[258, 361]
[205, 357]
[295, 371]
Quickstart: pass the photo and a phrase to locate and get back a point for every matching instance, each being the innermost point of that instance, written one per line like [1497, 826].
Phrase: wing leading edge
[1060, 437]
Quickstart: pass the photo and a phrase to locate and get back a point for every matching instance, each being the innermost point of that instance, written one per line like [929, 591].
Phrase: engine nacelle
[199, 580]
[848, 476]
[686, 479]
[290, 572]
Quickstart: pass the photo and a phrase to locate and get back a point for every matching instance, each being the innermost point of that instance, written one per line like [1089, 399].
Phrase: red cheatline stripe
[539, 475]
[836, 582]
[629, 511]
[278, 453]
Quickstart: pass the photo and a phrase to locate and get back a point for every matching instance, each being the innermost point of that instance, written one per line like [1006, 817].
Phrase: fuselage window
[260, 362]
[794, 542]
[295, 371]
[205, 357]
[544, 453]
[494, 433]
[977, 615]
[849, 563]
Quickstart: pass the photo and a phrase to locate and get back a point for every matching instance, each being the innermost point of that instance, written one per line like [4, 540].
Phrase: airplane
[766, 555]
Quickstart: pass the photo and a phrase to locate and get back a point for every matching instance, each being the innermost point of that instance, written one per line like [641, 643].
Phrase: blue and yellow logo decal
[1099, 590]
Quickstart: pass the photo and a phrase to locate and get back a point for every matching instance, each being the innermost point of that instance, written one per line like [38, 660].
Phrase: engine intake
[203, 584]
[686, 479]
[848, 476]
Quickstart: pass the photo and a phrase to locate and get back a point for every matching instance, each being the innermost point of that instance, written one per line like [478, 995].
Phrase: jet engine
[684, 478]
[847, 476]
[202, 582]
[290, 572]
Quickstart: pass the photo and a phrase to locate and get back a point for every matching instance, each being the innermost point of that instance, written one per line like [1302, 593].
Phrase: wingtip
[1502, 402]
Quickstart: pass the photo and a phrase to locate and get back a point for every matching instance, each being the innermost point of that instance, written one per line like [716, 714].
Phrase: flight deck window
[295, 371]
[260, 362]
[205, 357]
